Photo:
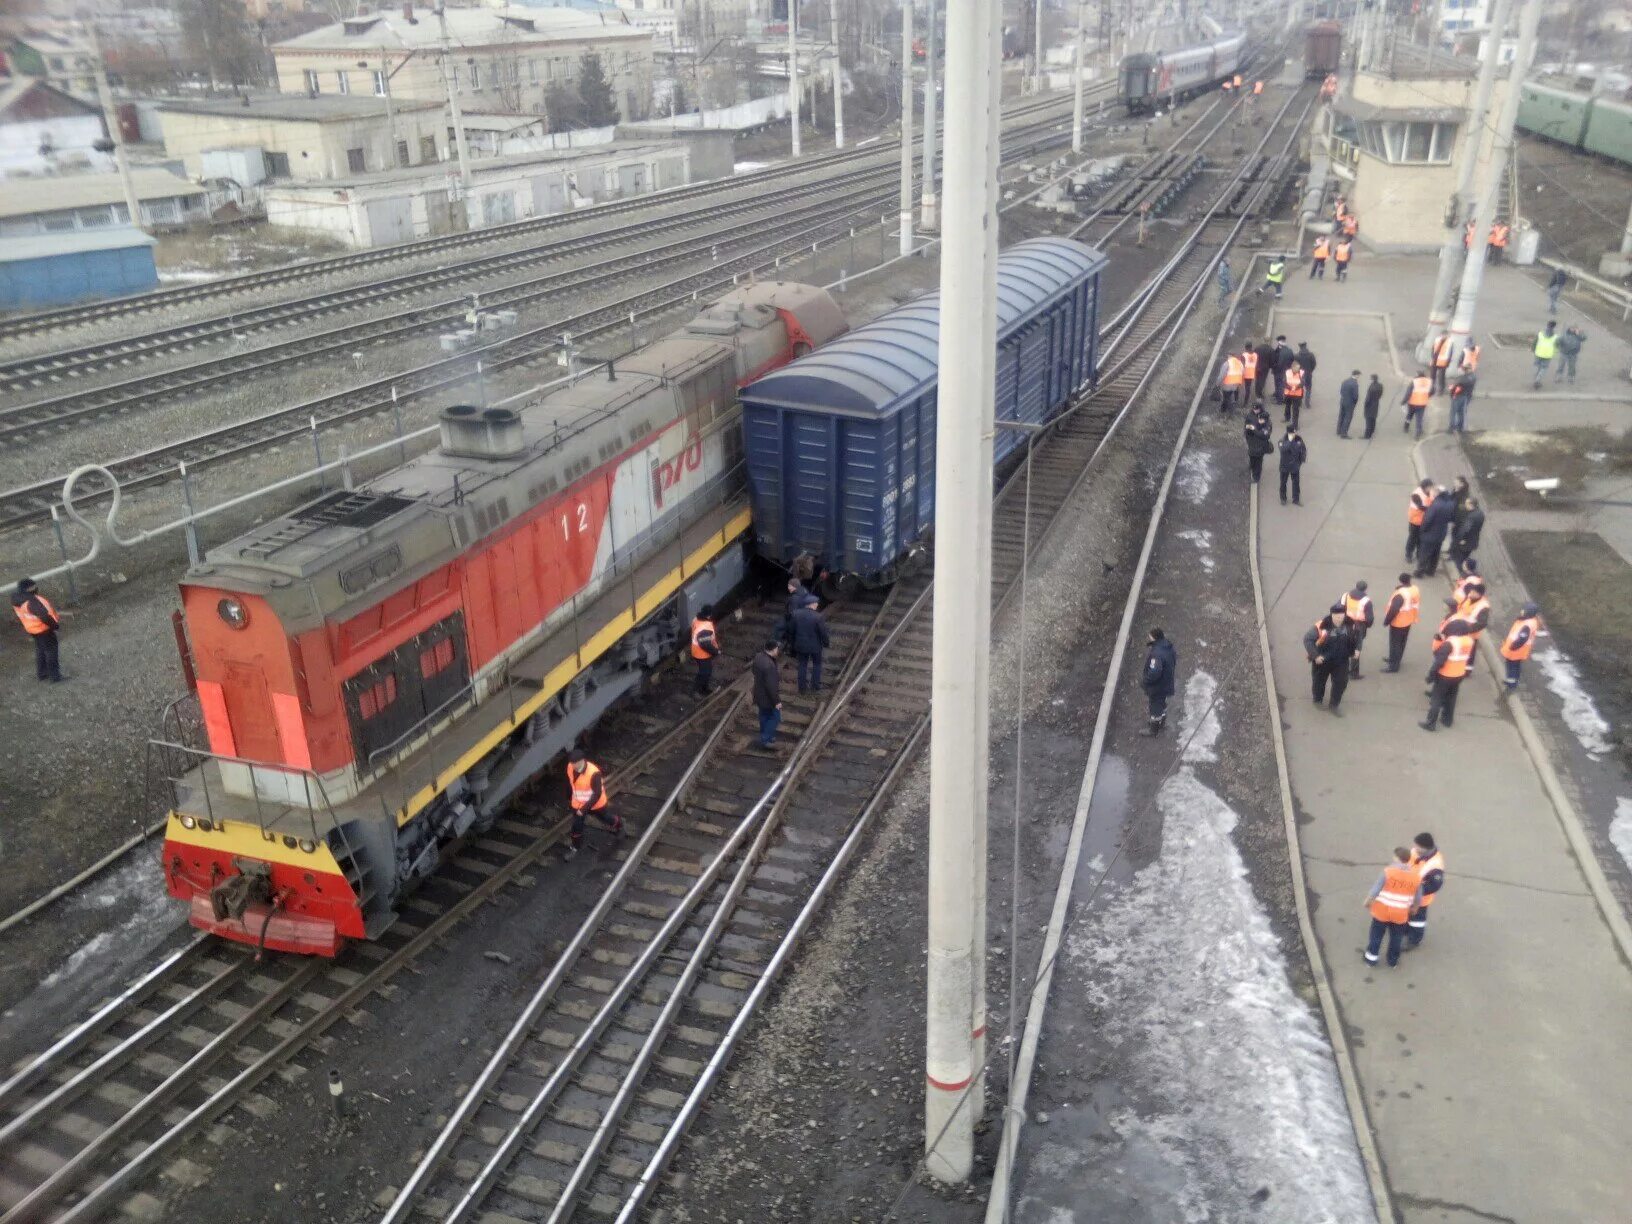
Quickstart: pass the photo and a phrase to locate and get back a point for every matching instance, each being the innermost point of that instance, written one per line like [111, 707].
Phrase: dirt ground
[1577, 201]
[1505, 459]
[204, 254]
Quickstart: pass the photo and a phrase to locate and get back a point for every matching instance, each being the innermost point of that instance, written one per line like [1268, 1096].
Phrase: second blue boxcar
[841, 443]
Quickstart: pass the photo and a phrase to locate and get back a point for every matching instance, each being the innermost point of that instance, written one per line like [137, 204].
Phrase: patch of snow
[1195, 476]
[1199, 727]
[1596, 456]
[1204, 541]
[1192, 986]
[1580, 714]
[1620, 830]
[747, 167]
[187, 275]
[133, 895]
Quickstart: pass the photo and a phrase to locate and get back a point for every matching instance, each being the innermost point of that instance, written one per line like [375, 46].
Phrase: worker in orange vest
[1237, 80]
[1292, 394]
[1361, 614]
[1341, 254]
[1351, 225]
[1323, 249]
[705, 648]
[1470, 356]
[1439, 360]
[1453, 660]
[589, 798]
[1430, 868]
[1328, 87]
[1416, 506]
[1520, 640]
[1473, 605]
[1257, 88]
[1249, 371]
[1399, 616]
[1467, 235]
[1230, 379]
[1417, 394]
[1497, 242]
[1392, 900]
[1226, 87]
[39, 620]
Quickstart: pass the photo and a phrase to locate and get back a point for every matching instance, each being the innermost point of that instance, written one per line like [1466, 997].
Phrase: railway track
[583, 1104]
[298, 274]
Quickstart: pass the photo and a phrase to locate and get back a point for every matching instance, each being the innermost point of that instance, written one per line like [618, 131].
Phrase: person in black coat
[809, 640]
[1436, 523]
[1260, 436]
[768, 691]
[1161, 666]
[1266, 367]
[1293, 456]
[1306, 359]
[1465, 539]
[1374, 404]
[1329, 645]
[1281, 362]
[1348, 399]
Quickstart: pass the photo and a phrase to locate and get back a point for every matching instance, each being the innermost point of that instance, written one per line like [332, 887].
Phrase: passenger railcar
[1152, 79]
[1322, 50]
[380, 670]
[1594, 123]
[841, 444]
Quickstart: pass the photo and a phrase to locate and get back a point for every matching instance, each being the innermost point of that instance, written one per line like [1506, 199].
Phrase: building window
[475, 77]
[343, 80]
[1413, 142]
[277, 165]
[311, 81]
[57, 222]
[379, 83]
[94, 218]
[427, 148]
[402, 152]
[532, 71]
[56, 62]
[356, 160]
[515, 71]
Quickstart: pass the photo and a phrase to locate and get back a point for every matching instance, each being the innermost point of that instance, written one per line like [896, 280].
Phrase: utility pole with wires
[1463, 202]
[110, 120]
[793, 70]
[1473, 272]
[1037, 48]
[906, 126]
[1077, 77]
[930, 218]
[450, 84]
[838, 82]
[955, 1031]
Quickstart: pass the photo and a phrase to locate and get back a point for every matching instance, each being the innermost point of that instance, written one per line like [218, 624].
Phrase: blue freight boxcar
[841, 443]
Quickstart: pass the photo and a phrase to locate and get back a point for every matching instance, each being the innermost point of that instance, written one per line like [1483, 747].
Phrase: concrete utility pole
[1037, 48]
[1078, 74]
[450, 83]
[390, 111]
[931, 209]
[110, 120]
[1474, 273]
[838, 83]
[906, 127]
[793, 69]
[962, 627]
[1439, 310]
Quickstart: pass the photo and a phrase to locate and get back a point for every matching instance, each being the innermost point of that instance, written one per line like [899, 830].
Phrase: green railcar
[1609, 130]
[1557, 114]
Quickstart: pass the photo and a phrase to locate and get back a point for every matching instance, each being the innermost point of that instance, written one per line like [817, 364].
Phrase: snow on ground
[143, 913]
[1230, 1093]
[1203, 540]
[1580, 714]
[1620, 830]
[1195, 476]
[187, 275]
[748, 167]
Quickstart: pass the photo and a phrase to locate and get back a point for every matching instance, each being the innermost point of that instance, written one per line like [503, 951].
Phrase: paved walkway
[1494, 1061]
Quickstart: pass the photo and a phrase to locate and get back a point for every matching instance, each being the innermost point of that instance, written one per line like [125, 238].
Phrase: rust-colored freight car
[1322, 49]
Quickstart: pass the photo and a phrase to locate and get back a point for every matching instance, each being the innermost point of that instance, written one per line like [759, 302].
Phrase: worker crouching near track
[589, 798]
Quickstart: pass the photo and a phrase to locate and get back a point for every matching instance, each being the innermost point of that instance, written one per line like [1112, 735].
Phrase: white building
[46, 130]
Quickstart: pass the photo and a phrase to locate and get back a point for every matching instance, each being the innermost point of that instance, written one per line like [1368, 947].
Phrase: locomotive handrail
[203, 756]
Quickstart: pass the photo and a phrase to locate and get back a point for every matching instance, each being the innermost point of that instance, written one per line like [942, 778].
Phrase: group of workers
[1495, 240]
[1234, 84]
[1400, 899]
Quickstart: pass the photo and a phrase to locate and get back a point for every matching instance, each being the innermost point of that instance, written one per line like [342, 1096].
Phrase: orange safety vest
[1520, 653]
[1434, 862]
[1465, 585]
[1294, 383]
[1415, 508]
[1470, 608]
[700, 630]
[1233, 371]
[1237, 81]
[1342, 252]
[1226, 87]
[1442, 351]
[1323, 247]
[31, 623]
[1356, 609]
[1467, 235]
[1422, 390]
[1457, 662]
[1470, 357]
[1257, 87]
[1249, 363]
[1350, 225]
[1410, 601]
[583, 785]
[1498, 235]
[1392, 903]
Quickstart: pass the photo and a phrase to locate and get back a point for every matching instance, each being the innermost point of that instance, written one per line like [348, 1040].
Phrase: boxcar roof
[878, 366]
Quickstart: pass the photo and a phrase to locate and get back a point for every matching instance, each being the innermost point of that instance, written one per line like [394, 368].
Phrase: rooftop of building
[51, 193]
[295, 108]
[16, 89]
[74, 242]
[468, 28]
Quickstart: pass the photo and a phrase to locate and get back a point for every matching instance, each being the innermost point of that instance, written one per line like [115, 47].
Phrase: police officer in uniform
[1329, 647]
[589, 798]
[39, 621]
[1161, 666]
[705, 648]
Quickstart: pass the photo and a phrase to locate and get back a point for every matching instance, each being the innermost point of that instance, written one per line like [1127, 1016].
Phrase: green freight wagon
[1558, 114]
[1609, 130]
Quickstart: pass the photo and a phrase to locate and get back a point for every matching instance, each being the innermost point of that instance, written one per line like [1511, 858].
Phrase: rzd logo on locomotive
[668, 473]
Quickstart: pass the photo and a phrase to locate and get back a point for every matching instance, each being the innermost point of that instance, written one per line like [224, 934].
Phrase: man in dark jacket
[1436, 522]
[768, 691]
[1461, 394]
[796, 600]
[39, 621]
[1281, 363]
[1260, 440]
[1374, 403]
[1293, 456]
[1348, 399]
[1266, 367]
[1465, 540]
[1161, 664]
[1306, 359]
[1329, 645]
[809, 640]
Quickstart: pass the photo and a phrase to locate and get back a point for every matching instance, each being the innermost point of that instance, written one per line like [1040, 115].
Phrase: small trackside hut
[841, 444]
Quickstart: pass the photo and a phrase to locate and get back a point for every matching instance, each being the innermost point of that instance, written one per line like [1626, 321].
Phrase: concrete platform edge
[1347, 1074]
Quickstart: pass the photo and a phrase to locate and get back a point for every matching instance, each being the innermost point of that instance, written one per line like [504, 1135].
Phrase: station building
[503, 58]
[400, 205]
[302, 139]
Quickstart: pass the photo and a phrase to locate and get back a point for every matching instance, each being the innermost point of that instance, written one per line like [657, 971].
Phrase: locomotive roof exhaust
[469, 432]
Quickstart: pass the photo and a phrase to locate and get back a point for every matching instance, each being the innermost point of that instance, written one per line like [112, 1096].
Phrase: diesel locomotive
[380, 670]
